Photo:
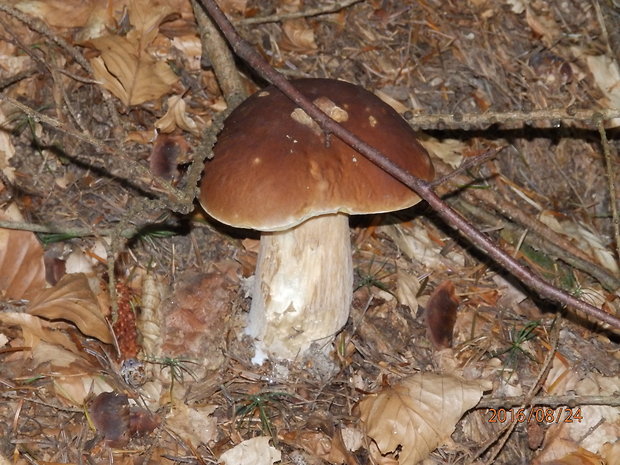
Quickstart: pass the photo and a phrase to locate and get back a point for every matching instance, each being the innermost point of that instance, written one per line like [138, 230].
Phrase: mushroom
[276, 171]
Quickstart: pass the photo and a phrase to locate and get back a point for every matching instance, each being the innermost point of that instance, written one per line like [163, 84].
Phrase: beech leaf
[72, 299]
[255, 451]
[125, 67]
[418, 414]
[22, 271]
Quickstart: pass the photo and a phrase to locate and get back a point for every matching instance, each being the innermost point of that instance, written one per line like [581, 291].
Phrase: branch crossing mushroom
[276, 171]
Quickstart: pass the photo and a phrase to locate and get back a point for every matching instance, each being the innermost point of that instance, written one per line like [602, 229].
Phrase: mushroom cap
[273, 167]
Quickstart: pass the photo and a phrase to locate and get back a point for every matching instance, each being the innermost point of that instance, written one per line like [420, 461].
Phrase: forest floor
[122, 306]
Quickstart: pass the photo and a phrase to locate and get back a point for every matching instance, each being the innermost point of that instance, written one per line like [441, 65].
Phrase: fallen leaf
[22, 268]
[441, 314]
[418, 414]
[130, 73]
[34, 330]
[125, 66]
[73, 300]
[196, 424]
[255, 451]
[59, 13]
[166, 155]
[74, 378]
[606, 74]
[176, 117]
[298, 36]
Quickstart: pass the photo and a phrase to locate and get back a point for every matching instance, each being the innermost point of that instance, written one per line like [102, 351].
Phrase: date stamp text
[534, 414]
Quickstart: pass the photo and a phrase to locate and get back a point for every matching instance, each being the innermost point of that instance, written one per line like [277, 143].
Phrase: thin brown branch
[221, 58]
[468, 164]
[307, 13]
[611, 185]
[484, 120]
[422, 188]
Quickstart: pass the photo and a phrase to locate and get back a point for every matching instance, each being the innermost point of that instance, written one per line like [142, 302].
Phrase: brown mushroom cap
[273, 168]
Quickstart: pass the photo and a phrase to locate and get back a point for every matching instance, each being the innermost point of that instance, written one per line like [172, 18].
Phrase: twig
[52, 229]
[298, 14]
[221, 58]
[17, 77]
[469, 120]
[468, 164]
[422, 188]
[611, 185]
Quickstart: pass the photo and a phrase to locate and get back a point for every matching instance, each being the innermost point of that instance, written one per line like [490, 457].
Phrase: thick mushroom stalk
[302, 289]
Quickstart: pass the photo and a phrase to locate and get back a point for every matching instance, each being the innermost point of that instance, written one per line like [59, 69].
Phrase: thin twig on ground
[611, 185]
[422, 188]
[323, 10]
[221, 58]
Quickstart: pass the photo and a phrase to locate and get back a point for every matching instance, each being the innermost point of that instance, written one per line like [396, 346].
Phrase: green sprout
[516, 340]
[369, 278]
[262, 404]
[178, 369]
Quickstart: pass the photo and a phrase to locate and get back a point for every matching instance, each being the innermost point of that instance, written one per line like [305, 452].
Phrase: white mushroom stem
[303, 288]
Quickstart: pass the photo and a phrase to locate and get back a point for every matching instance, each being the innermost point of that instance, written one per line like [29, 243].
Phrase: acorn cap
[273, 167]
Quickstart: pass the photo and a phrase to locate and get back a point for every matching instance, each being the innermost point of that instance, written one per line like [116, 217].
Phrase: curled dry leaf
[73, 300]
[418, 414]
[22, 269]
[176, 117]
[298, 36]
[255, 451]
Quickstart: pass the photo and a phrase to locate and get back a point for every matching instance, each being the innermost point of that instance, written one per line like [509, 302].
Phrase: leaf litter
[185, 295]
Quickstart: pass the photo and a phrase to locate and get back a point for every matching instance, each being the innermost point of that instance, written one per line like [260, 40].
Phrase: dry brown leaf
[255, 451]
[73, 300]
[298, 36]
[418, 414]
[22, 270]
[441, 314]
[60, 13]
[35, 329]
[74, 378]
[579, 457]
[543, 25]
[176, 117]
[129, 73]
[125, 67]
[606, 74]
[197, 425]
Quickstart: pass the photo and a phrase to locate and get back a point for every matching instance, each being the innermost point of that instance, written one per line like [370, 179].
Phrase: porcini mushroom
[276, 171]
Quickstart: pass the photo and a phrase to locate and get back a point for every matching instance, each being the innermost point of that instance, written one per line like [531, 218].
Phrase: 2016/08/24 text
[537, 414]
